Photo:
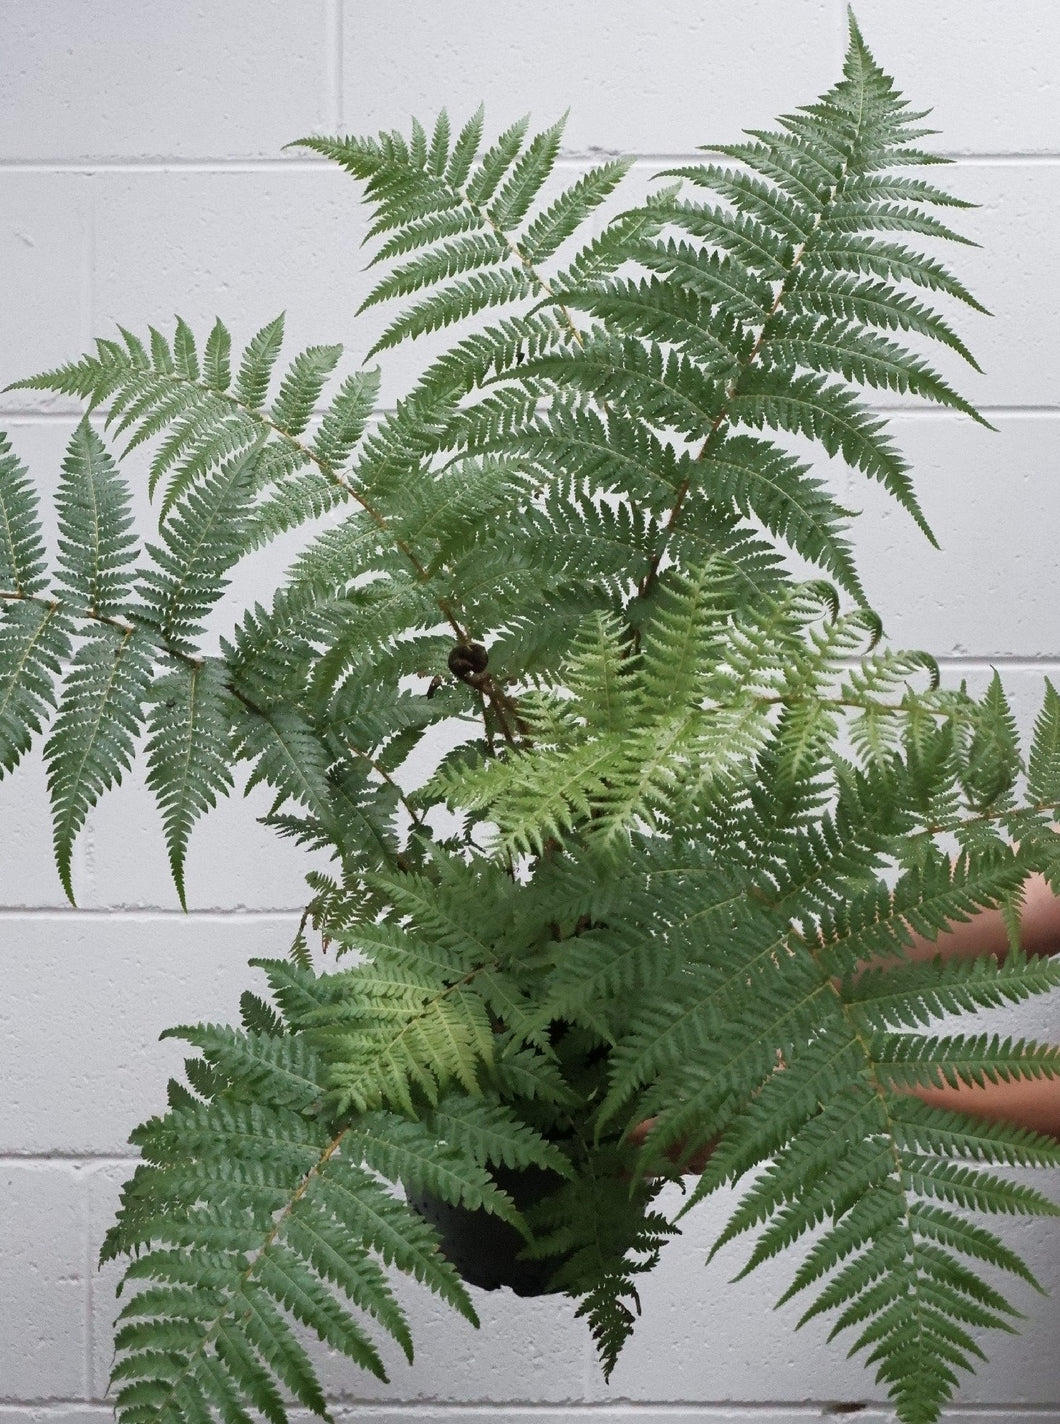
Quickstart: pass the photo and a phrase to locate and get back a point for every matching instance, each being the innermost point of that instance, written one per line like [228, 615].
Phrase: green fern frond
[22, 556]
[808, 405]
[34, 645]
[201, 542]
[96, 548]
[92, 742]
[188, 752]
[301, 387]
[256, 364]
[547, 233]
[1043, 770]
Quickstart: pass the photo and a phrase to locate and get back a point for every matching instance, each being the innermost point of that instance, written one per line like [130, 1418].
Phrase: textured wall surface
[141, 174]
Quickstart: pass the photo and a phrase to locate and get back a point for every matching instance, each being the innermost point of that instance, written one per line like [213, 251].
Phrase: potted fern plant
[689, 795]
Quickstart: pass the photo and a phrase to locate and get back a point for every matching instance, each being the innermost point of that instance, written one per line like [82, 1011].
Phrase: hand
[693, 1166]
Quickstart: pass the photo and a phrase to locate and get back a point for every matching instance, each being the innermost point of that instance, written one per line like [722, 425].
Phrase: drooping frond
[99, 716]
[188, 752]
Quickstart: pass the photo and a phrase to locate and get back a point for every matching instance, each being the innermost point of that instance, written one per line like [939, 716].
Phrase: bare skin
[1032, 1103]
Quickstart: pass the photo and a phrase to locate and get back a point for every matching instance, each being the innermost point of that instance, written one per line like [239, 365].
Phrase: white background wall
[141, 175]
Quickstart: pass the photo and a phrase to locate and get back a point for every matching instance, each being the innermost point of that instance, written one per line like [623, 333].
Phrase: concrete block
[28, 877]
[658, 83]
[525, 1350]
[52, 1413]
[45, 254]
[993, 502]
[148, 81]
[43, 1265]
[233, 862]
[1018, 347]
[245, 246]
[705, 1340]
[86, 998]
[241, 245]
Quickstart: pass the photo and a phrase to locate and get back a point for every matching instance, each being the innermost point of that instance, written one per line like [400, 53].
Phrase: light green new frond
[685, 635]
[389, 1037]
[92, 742]
[598, 677]
[188, 752]
[96, 547]
[992, 761]
[22, 557]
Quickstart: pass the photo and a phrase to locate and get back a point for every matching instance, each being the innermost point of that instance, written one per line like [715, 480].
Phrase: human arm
[1033, 1103]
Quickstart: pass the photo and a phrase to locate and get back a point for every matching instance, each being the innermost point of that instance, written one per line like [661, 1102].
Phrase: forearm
[985, 932]
[1033, 1103]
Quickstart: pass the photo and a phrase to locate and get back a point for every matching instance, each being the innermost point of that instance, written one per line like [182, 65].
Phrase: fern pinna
[700, 807]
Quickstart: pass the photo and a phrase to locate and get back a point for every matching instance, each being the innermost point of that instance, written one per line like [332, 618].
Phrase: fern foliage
[698, 808]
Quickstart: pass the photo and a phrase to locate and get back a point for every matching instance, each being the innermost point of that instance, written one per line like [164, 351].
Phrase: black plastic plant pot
[484, 1249]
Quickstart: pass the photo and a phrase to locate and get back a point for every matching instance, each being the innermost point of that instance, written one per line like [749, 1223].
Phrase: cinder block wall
[141, 175]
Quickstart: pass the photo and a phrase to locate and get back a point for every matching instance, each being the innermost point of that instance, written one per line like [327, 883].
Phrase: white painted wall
[141, 175]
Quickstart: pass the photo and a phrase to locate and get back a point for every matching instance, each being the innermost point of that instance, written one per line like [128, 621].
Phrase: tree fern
[696, 818]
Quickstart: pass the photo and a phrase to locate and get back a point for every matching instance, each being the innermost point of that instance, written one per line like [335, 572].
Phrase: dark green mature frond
[22, 556]
[34, 644]
[808, 405]
[201, 542]
[92, 742]
[96, 548]
[188, 752]
[251, 1212]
